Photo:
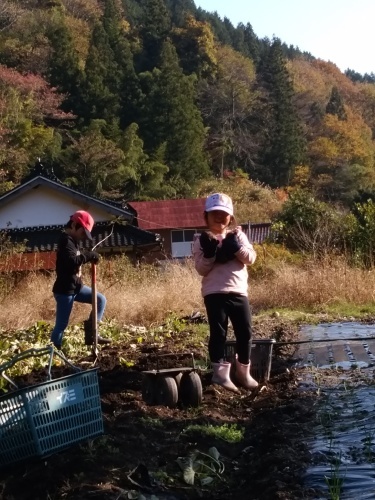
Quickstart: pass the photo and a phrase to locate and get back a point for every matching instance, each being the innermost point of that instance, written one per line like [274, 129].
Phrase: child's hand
[230, 245]
[92, 257]
[208, 244]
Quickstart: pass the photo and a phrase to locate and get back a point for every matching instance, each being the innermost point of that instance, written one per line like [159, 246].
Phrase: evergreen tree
[245, 41]
[156, 27]
[369, 78]
[179, 9]
[102, 78]
[284, 144]
[173, 122]
[144, 177]
[354, 75]
[112, 17]
[64, 72]
[230, 29]
[335, 104]
[218, 27]
[134, 11]
[128, 86]
[251, 43]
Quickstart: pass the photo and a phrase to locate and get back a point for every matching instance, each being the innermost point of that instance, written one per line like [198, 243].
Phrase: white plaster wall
[43, 206]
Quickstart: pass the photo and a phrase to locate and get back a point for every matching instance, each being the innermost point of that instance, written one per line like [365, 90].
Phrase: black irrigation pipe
[312, 341]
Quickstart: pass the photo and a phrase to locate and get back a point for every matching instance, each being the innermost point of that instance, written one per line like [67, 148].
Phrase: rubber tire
[191, 389]
[166, 391]
[178, 380]
[149, 389]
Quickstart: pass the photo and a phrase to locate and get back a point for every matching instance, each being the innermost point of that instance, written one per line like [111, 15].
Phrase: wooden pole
[94, 309]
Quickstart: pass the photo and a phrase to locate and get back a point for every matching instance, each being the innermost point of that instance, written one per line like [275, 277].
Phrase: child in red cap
[68, 287]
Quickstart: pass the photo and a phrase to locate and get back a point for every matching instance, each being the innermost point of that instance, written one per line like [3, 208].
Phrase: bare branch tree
[321, 241]
[9, 13]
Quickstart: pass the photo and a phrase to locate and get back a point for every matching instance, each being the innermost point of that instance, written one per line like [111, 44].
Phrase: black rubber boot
[89, 334]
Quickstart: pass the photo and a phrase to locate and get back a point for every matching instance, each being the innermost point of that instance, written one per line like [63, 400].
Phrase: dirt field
[136, 458]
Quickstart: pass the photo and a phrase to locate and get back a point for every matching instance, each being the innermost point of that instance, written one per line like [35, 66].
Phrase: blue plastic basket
[42, 419]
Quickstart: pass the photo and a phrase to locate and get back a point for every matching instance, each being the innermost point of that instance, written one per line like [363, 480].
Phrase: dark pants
[223, 306]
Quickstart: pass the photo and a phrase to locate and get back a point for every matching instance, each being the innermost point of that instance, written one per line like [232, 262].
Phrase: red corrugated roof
[169, 214]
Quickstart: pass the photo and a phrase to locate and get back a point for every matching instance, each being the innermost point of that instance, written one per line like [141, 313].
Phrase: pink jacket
[230, 277]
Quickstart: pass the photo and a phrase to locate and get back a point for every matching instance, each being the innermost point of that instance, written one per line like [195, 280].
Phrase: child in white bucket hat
[221, 256]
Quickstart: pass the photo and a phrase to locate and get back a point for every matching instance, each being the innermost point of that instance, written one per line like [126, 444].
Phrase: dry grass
[139, 296]
[146, 295]
[313, 285]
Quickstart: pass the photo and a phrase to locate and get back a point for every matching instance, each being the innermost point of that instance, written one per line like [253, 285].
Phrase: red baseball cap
[86, 221]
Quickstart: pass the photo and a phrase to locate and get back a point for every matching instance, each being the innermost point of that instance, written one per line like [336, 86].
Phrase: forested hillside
[143, 99]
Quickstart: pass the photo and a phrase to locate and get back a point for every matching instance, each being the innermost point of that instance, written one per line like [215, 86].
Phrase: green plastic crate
[42, 419]
[260, 357]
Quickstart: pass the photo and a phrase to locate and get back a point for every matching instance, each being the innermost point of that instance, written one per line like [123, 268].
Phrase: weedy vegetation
[226, 432]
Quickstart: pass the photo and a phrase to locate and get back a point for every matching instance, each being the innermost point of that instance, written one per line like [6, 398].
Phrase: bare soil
[136, 456]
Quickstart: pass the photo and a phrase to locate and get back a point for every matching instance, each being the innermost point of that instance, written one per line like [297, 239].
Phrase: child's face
[218, 221]
[78, 233]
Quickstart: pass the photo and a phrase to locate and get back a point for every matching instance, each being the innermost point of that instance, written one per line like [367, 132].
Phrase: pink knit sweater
[230, 277]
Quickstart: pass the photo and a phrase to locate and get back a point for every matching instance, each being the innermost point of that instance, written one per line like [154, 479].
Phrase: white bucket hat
[219, 201]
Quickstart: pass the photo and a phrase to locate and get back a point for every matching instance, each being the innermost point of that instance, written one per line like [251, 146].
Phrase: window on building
[182, 241]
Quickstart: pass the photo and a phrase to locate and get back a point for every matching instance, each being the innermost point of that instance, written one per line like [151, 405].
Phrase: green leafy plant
[174, 323]
[126, 362]
[336, 479]
[229, 433]
[151, 422]
[205, 467]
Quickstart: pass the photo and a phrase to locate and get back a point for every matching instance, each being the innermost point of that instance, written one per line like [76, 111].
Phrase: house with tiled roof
[178, 220]
[33, 215]
[175, 220]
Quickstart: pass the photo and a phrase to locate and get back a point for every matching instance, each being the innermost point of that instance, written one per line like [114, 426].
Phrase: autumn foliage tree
[227, 99]
[27, 104]
[174, 95]
[342, 158]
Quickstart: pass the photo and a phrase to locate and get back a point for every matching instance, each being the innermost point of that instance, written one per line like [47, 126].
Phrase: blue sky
[340, 31]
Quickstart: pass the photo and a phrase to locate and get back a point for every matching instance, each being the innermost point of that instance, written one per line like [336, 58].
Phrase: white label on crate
[65, 397]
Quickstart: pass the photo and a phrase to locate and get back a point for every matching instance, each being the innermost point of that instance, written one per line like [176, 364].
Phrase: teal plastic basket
[42, 419]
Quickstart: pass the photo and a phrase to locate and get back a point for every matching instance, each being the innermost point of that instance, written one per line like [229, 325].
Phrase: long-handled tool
[94, 312]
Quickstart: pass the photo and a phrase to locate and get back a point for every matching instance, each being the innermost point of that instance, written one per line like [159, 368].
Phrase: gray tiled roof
[45, 238]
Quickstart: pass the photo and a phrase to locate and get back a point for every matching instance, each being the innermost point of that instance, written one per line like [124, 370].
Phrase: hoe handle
[94, 306]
